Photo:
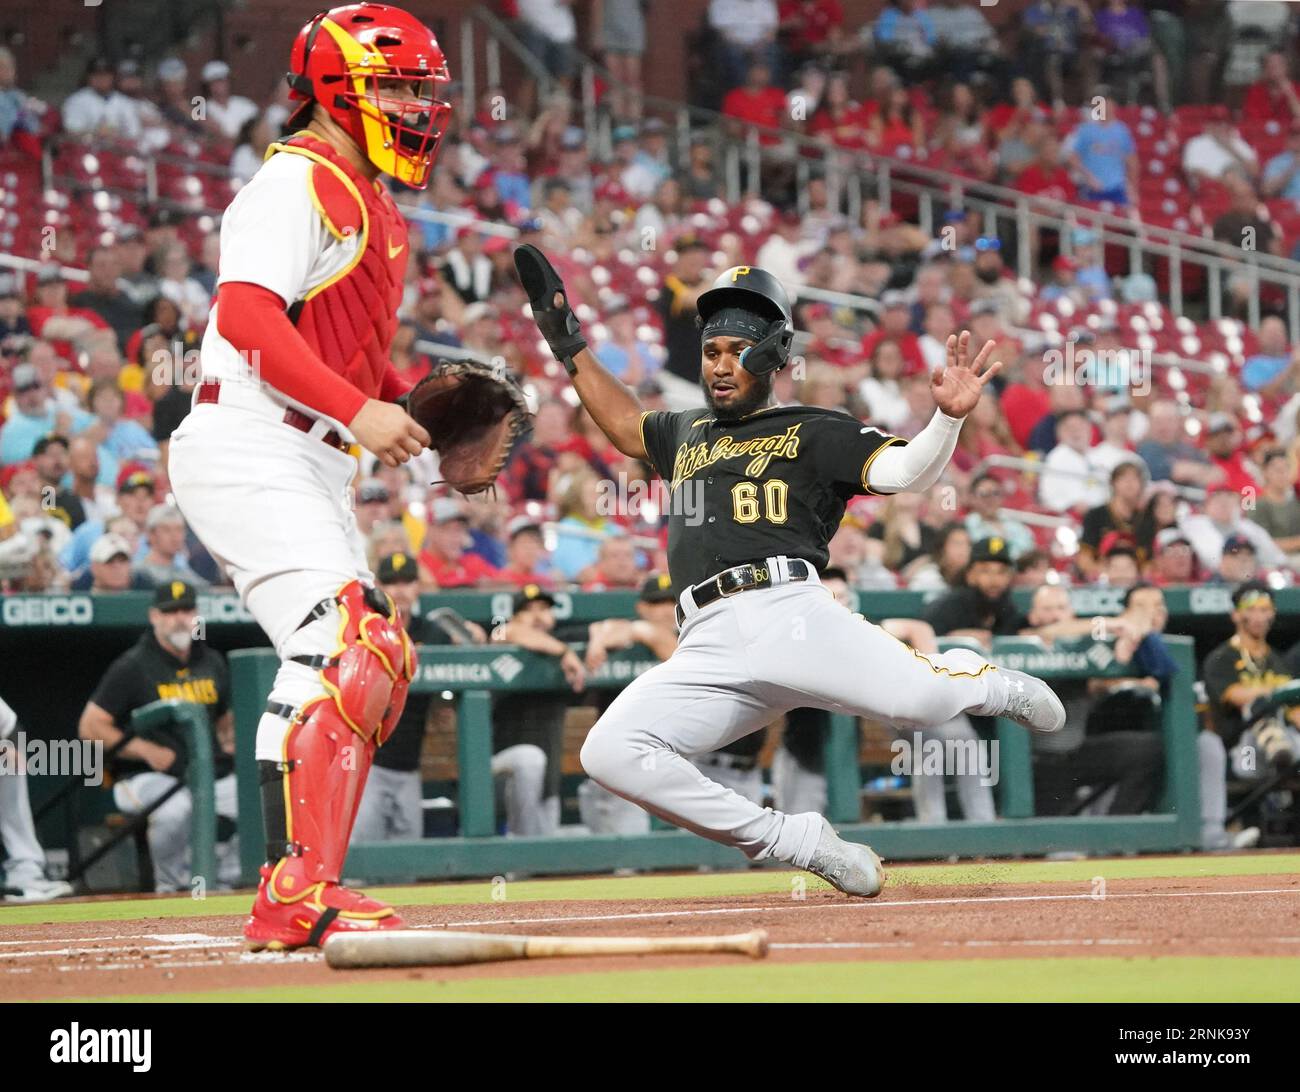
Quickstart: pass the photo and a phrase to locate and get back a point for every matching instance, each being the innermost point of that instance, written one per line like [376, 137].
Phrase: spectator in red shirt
[526, 560]
[1023, 110]
[895, 318]
[840, 118]
[51, 318]
[615, 567]
[810, 28]
[528, 473]
[756, 103]
[446, 561]
[1223, 445]
[1046, 176]
[1275, 96]
[1026, 402]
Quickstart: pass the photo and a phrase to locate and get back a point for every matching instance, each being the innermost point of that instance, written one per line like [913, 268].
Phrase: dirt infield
[1201, 916]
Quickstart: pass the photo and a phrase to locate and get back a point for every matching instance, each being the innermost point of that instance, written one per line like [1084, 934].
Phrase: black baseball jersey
[774, 482]
[1228, 665]
[146, 673]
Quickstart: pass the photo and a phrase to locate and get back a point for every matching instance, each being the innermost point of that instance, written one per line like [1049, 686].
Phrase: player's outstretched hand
[388, 431]
[957, 386]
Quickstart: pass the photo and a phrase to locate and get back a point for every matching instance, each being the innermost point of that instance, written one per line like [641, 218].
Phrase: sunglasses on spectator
[986, 243]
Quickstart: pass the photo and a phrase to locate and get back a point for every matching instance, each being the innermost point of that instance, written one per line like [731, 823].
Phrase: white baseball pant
[169, 825]
[741, 662]
[274, 506]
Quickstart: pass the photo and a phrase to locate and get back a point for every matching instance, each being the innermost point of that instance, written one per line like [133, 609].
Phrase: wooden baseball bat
[420, 948]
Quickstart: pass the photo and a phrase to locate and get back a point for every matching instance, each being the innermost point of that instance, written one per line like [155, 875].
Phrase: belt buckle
[752, 582]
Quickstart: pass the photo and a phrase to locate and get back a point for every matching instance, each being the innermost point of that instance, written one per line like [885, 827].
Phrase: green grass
[1107, 979]
[689, 885]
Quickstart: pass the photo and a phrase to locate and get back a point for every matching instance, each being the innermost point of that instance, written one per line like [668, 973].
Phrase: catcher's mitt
[473, 413]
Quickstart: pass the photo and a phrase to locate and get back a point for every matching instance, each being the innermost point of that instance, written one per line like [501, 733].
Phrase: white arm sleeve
[916, 465]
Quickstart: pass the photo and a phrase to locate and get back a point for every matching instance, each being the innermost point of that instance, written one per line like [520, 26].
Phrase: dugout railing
[474, 675]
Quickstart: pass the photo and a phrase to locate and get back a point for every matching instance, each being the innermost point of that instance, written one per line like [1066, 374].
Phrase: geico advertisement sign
[49, 610]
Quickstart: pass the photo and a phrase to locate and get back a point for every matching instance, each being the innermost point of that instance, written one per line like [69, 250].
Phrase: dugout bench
[473, 675]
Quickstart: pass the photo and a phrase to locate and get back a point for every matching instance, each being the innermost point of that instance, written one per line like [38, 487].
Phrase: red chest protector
[350, 319]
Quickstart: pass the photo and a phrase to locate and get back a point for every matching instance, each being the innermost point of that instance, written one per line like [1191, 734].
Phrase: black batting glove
[558, 324]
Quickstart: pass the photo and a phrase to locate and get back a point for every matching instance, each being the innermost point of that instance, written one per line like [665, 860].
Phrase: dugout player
[527, 726]
[759, 635]
[165, 663]
[296, 372]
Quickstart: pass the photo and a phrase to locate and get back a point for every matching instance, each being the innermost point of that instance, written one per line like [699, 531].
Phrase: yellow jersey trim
[871, 459]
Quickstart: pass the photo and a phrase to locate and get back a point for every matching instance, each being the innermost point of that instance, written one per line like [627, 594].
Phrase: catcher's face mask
[375, 70]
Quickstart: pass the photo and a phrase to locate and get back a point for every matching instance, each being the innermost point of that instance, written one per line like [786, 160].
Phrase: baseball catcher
[295, 375]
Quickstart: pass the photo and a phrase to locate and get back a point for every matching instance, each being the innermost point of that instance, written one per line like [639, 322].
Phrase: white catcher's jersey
[272, 236]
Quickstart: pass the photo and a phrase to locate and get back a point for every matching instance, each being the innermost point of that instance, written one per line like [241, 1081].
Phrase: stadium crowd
[1122, 480]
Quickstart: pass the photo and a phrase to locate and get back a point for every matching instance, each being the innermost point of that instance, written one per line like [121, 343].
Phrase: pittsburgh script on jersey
[690, 460]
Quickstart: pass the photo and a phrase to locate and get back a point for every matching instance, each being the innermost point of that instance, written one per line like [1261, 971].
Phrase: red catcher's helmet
[375, 69]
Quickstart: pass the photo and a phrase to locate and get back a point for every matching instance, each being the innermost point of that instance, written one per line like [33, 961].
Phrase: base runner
[759, 634]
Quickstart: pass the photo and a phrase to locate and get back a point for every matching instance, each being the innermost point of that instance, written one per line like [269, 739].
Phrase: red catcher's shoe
[323, 910]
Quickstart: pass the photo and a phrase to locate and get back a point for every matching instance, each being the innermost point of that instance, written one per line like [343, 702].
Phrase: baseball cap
[476, 311]
[128, 67]
[893, 298]
[10, 472]
[109, 546]
[1168, 537]
[654, 125]
[572, 139]
[130, 480]
[521, 524]
[985, 307]
[163, 513]
[175, 595]
[1083, 237]
[622, 133]
[50, 274]
[98, 66]
[26, 378]
[531, 593]
[446, 509]
[215, 70]
[1235, 542]
[9, 288]
[658, 588]
[372, 490]
[1064, 264]
[1117, 542]
[1220, 422]
[1251, 592]
[398, 568]
[172, 68]
[994, 548]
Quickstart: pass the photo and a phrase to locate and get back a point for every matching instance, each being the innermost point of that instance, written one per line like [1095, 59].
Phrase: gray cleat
[850, 867]
[1032, 703]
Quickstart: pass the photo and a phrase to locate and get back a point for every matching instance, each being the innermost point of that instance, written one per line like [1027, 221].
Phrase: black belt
[755, 574]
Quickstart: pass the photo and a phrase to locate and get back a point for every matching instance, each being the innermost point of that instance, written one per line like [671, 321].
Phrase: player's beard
[739, 406]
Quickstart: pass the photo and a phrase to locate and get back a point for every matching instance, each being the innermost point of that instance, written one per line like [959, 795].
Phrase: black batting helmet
[751, 303]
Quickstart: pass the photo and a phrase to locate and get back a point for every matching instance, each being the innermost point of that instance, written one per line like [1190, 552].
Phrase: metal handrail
[1038, 466]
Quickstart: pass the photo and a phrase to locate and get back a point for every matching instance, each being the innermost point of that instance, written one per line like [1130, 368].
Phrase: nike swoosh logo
[394, 253]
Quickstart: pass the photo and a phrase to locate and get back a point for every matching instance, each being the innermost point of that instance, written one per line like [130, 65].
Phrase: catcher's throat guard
[557, 322]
